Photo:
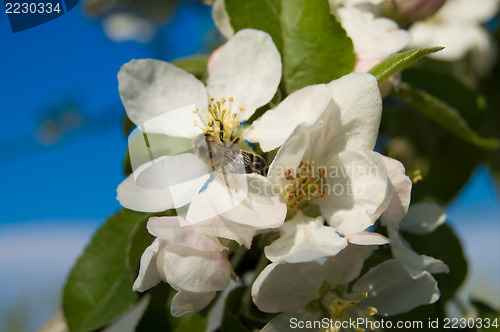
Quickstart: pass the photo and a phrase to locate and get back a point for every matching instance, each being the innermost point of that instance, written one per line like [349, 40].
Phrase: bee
[226, 158]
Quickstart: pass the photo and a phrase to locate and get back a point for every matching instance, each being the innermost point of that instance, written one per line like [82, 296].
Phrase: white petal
[273, 128]
[297, 148]
[347, 265]
[468, 11]
[149, 88]
[392, 289]
[184, 302]
[248, 69]
[414, 262]
[423, 217]
[357, 96]
[175, 231]
[165, 183]
[236, 214]
[148, 272]
[179, 122]
[358, 191]
[144, 148]
[287, 287]
[193, 270]
[401, 192]
[372, 37]
[221, 19]
[367, 238]
[304, 239]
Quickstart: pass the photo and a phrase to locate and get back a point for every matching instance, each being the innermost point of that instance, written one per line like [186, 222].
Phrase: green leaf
[420, 143]
[196, 65]
[157, 317]
[232, 308]
[486, 315]
[386, 68]
[314, 46]
[443, 114]
[444, 245]
[261, 15]
[99, 287]
[451, 90]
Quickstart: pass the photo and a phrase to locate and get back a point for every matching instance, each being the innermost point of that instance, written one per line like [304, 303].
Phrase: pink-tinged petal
[346, 265]
[287, 287]
[401, 192]
[367, 238]
[185, 302]
[423, 218]
[148, 272]
[392, 289]
[149, 88]
[176, 231]
[304, 239]
[165, 183]
[273, 127]
[248, 69]
[193, 270]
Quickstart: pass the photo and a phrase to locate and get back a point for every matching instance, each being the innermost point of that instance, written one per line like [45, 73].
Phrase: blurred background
[62, 146]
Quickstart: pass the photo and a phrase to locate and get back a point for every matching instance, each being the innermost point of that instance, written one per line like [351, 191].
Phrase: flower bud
[418, 9]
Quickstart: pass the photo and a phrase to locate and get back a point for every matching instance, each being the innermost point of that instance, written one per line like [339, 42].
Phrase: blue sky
[70, 61]
[71, 185]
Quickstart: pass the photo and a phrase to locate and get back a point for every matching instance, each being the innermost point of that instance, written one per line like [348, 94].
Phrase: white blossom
[191, 262]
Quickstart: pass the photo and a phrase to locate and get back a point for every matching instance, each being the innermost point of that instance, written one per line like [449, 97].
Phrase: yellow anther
[242, 109]
[223, 100]
[231, 99]
[371, 311]
[235, 115]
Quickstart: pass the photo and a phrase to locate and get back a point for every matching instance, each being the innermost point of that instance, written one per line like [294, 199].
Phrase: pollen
[221, 118]
[303, 184]
[345, 307]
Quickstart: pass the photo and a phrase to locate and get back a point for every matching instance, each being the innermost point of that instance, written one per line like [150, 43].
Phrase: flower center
[342, 308]
[220, 121]
[303, 184]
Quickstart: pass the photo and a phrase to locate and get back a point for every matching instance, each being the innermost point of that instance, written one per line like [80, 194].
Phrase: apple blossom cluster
[313, 208]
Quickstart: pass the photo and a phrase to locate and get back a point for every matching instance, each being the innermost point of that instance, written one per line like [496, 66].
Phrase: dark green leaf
[196, 65]
[99, 287]
[444, 245]
[419, 143]
[443, 114]
[157, 317]
[232, 308]
[457, 94]
[486, 315]
[388, 67]
[262, 15]
[314, 46]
